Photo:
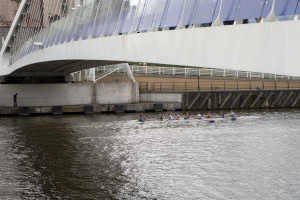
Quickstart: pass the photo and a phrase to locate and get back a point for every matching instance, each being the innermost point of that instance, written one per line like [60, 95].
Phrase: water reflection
[115, 157]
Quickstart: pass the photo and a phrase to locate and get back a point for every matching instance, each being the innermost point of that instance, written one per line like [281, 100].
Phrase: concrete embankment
[60, 99]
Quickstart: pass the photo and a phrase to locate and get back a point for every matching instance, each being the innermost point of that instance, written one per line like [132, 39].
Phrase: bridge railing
[114, 17]
[196, 72]
[216, 86]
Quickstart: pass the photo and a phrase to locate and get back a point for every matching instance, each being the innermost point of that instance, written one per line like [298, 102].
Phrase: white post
[129, 72]
[218, 21]
[272, 16]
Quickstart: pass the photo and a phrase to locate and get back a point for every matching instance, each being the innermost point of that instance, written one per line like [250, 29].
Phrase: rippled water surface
[115, 157]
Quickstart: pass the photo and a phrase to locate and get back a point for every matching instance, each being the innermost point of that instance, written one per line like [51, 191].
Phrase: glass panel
[217, 10]
[81, 21]
[205, 11]
[52, 34]
[139, 14]
[149, 15]
[75, 18]
[101, 17]
[267, 8]
[189, 13]
[125, 12]
[57, 30]
[129, 18]
[60, 31]
[249, 9]
[114, 18]
[161, 13]
[285, 7]
[229, 10]
[173, 15]
[91, 19]
[298, 8]
[66, 28]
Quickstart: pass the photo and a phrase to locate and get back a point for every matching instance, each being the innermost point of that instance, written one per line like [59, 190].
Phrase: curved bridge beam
[266, 47]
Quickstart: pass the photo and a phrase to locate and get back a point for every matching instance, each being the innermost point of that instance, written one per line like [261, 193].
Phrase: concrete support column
[90, 75]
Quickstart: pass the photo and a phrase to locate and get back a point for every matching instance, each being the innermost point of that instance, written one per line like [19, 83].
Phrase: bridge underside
[61, 67]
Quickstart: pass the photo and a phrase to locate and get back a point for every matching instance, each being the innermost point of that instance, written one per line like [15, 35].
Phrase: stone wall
[69, 94]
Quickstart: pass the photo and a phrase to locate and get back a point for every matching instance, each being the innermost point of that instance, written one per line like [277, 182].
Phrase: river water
[115, 157]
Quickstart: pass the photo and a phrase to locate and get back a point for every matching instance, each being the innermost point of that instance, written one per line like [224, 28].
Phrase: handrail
[217, 86]
[197, 72]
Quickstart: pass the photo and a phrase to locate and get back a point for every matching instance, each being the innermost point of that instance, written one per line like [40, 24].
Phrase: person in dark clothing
[15, 100]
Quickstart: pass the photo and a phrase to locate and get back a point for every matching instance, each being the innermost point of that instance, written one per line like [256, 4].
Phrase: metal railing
[217, 86]
[195, 72]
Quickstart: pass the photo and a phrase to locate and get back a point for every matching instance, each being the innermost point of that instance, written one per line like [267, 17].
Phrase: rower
[160, 118]
[187, 116]
[232, 114]
[170, 117]
[177, 116]
[199, 116]
[141, 119]
[222, 115]
[208, 115]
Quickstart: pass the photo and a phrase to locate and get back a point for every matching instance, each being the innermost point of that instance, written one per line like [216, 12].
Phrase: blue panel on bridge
[129, 19]
[73, 25]
[85, 12]
[228, 11]
[52, 34]
[100, 19]
[298, 8]
[286, 7]
[218, 8]
[60, 31]
[124, 13]
[139, 14]
[88, 28]
[149, 15]
[66, 29]
[161, 13]
[267, 8]
[109, 17]
[205, 11]
[282, 7]
[249, 9]
[173, 15]
[190, 7]
[114, 18]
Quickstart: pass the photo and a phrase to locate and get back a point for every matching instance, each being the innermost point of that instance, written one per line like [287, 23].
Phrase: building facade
[8, 9]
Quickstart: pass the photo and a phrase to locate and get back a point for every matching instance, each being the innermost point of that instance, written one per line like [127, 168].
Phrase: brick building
[8, 9]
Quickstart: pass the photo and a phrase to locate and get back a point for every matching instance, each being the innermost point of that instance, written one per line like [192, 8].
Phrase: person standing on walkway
[15, 100]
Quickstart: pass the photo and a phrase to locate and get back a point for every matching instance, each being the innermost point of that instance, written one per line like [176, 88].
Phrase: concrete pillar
[209, 103]
[90, 75]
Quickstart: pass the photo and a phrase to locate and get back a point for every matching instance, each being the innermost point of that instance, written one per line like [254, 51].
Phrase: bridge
[56, 38]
